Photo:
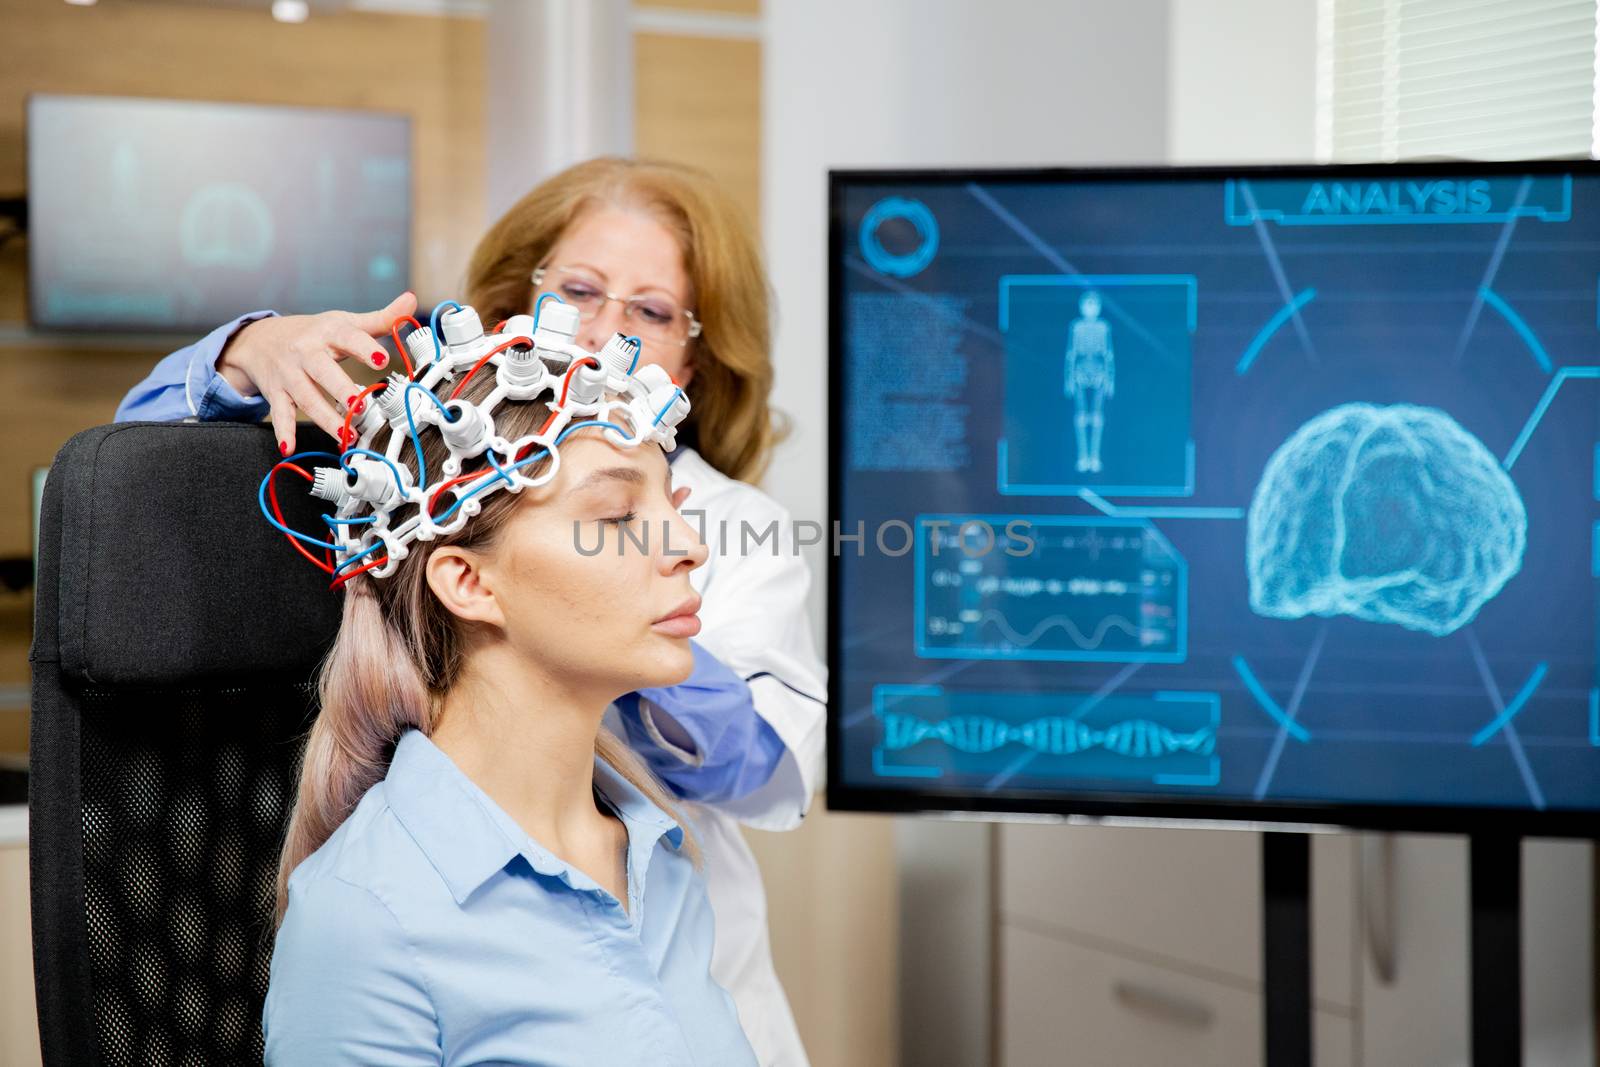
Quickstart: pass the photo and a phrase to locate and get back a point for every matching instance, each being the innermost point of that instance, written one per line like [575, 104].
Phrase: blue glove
[703, 737]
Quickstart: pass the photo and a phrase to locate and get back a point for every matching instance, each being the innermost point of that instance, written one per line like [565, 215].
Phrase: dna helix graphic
[1052, 735]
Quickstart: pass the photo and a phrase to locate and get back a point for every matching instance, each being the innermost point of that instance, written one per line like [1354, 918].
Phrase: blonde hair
[730, 422]
[397, 653]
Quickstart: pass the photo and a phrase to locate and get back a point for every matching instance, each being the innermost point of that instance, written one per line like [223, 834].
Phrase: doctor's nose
[607, 320]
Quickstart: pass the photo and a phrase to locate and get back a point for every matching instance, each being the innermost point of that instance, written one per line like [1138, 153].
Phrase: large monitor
[1256, 494]
[175, 215]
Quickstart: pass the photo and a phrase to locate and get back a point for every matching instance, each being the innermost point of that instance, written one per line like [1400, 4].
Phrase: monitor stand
[1286, 946]
[1495, 957]
[1495, 871]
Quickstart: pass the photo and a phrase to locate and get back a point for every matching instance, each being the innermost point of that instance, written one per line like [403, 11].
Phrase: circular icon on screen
[226, 224]
[893, 217]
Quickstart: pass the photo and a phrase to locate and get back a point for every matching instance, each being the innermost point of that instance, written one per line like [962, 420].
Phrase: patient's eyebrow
[621, 474]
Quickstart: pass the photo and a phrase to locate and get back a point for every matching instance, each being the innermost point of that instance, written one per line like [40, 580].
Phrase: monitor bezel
[1133, 808]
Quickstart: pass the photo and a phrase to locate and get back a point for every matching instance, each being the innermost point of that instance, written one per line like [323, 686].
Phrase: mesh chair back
[176, 640]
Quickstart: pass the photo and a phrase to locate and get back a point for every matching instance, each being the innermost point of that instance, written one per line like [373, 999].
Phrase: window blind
[1481, 79]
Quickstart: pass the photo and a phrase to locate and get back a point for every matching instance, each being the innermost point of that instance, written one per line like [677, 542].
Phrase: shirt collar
[468, 838]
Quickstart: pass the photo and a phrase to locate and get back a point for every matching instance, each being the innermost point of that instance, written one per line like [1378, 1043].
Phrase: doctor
[658, 251]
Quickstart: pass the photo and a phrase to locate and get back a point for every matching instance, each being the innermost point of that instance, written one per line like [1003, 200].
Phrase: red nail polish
[283, 448]
[379, 359]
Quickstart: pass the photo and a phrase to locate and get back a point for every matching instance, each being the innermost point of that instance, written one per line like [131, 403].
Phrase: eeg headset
[533, 357]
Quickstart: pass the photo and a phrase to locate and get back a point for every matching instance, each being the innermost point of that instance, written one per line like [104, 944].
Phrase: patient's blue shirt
[431, 929]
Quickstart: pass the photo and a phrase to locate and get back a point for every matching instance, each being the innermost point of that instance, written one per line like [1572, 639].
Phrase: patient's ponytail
[371, 693]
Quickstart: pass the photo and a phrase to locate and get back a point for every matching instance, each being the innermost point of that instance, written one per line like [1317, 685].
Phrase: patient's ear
[457, 578]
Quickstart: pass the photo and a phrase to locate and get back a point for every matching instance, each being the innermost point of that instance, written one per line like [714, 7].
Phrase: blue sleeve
[186, 383]
[703, 737]
[345, 988]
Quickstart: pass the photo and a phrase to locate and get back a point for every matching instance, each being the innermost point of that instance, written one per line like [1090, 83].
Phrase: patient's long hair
[398, 652]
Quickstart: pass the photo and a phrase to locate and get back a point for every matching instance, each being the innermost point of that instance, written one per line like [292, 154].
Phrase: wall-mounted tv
[174, 215]
[1261, 495]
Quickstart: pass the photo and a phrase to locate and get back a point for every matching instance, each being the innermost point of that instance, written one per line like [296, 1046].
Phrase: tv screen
[168, 215]
[1242, 494]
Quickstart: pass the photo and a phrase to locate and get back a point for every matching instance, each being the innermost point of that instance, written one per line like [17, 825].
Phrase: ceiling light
[290, 10]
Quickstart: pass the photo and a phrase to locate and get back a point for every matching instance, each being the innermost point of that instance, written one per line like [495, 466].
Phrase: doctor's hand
[293, 361]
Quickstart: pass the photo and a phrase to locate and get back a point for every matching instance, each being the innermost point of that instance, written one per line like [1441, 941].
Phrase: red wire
[394, 332]
[277, 510]
[337, 582]
[346, 436]
[568, 379]
[433, 501]
[476, 367]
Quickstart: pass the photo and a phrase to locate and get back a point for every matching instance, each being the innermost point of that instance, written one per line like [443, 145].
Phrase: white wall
[1242, 81]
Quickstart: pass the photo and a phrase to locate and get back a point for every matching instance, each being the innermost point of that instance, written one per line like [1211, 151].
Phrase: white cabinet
[1421, 1017]
[19, 1029]
[1066, 1003]
[1143, 946]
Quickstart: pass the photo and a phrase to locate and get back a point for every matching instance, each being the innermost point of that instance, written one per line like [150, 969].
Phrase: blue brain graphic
[1389, 514]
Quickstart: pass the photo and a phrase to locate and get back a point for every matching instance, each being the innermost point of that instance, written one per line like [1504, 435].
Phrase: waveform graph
[1163, 737]
[1049, 587]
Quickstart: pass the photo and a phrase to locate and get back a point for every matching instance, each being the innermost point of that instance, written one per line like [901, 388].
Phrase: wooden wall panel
[698, 100]
[705, 7]
[428, 68]
[19, 1032]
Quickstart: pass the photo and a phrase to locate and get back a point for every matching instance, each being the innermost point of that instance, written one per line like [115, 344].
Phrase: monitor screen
[166, 215]
[1255, 494]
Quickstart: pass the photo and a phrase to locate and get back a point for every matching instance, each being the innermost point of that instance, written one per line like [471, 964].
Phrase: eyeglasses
[655, 317]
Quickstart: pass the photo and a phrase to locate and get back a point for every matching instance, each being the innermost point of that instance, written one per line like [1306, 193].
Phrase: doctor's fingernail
[283, 448]
[379, 359]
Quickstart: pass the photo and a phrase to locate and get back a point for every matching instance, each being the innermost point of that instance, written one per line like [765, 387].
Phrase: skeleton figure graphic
[1091, 377]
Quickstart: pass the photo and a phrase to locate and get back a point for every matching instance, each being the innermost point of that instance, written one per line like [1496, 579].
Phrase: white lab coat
[753, 618]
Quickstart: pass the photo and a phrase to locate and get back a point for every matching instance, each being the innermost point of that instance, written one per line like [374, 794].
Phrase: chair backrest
[176, 639]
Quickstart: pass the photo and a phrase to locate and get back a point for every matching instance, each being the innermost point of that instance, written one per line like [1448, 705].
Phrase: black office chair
[176, 638]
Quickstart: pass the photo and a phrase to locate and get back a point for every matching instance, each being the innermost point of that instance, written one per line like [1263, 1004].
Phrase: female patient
[633, 245]
[475, 871]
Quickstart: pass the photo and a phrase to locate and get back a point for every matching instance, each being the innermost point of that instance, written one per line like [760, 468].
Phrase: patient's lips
[681, 621]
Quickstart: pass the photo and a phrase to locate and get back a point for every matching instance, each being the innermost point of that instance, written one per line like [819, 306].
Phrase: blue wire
[501, 471]
[638, 349]
[399, 482]
[503, 474]
[592, 422]
[266, 510]
[449, 416]
[433, 324]
[359, 556]
[416, 439]
[331, 521]
[663, 412]
[411, 425]
[538, 306]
